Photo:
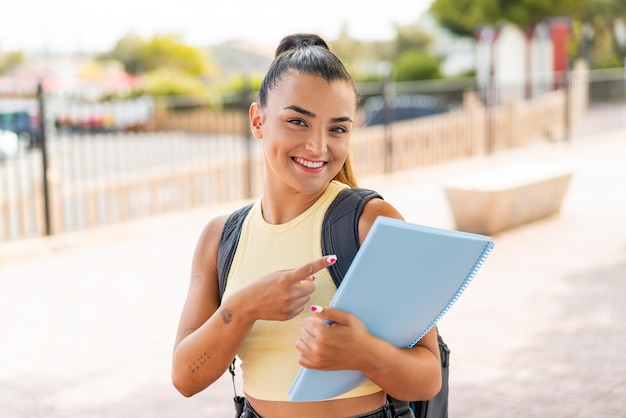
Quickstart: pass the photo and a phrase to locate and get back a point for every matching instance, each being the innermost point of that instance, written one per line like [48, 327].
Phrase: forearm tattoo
[227, 315]
[199, 362]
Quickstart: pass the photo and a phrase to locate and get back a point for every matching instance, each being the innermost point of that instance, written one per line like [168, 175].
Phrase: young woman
[270, 314]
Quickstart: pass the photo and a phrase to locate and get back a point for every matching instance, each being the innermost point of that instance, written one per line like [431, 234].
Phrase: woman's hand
[281, 295]
[333, 339]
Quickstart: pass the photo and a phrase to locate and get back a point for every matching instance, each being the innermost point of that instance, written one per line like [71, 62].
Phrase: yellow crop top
[269, 359]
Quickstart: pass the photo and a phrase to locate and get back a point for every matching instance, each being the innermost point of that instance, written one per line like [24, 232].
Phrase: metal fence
[89, 164]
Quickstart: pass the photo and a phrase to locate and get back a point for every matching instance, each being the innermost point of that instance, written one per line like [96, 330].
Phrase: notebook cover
[403, 279]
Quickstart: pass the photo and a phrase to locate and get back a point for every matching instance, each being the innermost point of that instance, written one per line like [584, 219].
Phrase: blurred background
[124, 128]
[129, 110]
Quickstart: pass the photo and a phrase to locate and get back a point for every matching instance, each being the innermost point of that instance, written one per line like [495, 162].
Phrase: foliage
[243, 84]
[128, 51]
[161, 51]
[169, 52]
[416, 64]
[464, 16]
[366, 61]
[239, 91]
[166, 81]
[371, 61]
[602, 15]
[411, 37]
[168, 65]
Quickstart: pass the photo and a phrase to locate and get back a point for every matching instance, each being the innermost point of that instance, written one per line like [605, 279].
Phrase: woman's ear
[255, 114]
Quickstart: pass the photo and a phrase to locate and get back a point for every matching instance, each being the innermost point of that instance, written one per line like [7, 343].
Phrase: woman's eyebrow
[341, 119]
[313, 115]
[301, 110]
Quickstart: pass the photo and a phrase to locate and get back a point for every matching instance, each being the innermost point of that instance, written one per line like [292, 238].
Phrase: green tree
[464, 16]
[128, 51]
[411, 37]
[168, 65]
[373, 61]
[602, 15]
[169, 52]
[161, 51]
[415, 64]
[172, 82]
[368, 61]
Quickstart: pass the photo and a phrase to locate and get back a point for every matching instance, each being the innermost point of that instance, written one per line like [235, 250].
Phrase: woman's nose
[316, 143]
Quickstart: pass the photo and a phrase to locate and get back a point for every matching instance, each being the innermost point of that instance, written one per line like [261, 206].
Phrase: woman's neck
[282, 207]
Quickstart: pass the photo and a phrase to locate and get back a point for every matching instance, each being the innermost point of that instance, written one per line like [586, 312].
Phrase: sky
[67, 26]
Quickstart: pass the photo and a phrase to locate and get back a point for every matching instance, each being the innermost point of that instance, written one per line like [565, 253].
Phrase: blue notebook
[402, 281]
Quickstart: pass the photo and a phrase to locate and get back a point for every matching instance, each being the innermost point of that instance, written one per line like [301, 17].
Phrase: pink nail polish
[331, 259]
[313, 277]
[315, 308]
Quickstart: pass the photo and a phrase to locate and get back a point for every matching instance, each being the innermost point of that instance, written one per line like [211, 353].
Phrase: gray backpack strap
[228, 244]
[340, 228]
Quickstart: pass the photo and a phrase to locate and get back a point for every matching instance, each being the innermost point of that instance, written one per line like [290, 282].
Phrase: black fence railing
[87, 164]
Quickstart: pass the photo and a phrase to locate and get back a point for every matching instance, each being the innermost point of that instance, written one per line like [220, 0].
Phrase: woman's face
[305, 129]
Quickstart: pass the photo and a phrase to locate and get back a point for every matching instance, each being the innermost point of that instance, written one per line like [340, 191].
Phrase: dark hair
[308, 54]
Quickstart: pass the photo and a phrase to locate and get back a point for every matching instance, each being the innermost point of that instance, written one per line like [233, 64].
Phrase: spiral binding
[477, 265]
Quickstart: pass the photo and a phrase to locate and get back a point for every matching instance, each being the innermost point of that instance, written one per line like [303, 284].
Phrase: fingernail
[312, 276]
[316, 308]
[331, 259]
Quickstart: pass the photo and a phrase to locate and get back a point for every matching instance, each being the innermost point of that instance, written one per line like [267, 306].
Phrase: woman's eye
[297, 122]
[339, 130]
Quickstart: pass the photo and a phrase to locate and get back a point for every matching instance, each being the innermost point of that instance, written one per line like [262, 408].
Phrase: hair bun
[299, 40]
[304, 41]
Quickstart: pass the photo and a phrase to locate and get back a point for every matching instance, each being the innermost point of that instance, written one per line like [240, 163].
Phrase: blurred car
[403, 107]
[9, 144]
[24, 124]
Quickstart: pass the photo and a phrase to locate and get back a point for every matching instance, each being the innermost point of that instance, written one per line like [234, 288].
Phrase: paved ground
[87, 319]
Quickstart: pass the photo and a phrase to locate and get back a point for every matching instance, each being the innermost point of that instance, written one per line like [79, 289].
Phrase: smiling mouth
[309, 164]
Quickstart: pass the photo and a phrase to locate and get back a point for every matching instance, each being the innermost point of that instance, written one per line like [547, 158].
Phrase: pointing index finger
[314, 266]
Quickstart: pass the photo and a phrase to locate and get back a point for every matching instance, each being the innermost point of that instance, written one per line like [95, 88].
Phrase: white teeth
[309, 164]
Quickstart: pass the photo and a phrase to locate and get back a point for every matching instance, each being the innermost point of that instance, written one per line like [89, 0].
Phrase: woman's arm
[209, 334]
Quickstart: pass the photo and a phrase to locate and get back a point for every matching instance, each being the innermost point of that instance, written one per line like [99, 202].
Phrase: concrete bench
[497, 199]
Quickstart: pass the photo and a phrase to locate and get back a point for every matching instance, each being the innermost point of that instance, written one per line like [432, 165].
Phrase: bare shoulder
[212, 231]
[209, 241]
[373, 209]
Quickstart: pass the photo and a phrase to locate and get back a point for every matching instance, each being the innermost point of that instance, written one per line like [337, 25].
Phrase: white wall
[510, 59]
[541, 75]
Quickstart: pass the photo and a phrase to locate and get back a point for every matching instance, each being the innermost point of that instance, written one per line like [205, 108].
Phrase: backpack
[340, 236]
